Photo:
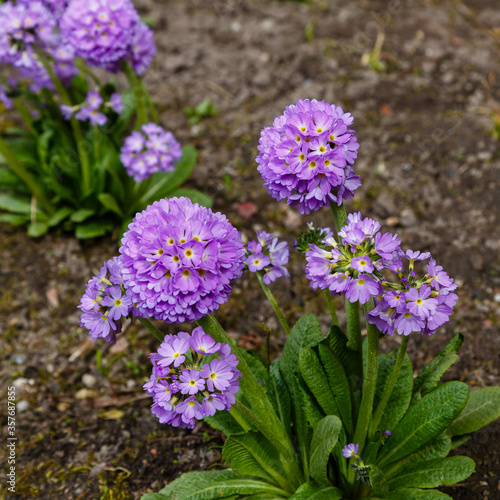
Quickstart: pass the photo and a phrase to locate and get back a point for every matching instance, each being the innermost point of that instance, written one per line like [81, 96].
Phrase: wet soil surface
[420, 78]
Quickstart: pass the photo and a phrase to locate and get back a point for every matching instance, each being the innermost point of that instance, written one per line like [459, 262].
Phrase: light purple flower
[143, 48]
[420, 303]
[173, 351]
[350, 450]
[116, 103]
[170, 288]
[218, 374]
[203, 343]
[361, 288]
[306, 156]
[190, 382]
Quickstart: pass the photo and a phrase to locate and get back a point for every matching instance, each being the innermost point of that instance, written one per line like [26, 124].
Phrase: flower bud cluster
[193, 377]
[356, 266]
[93, 108]
[307, 155]
[150, 150]
[268, 255]
[105, 302]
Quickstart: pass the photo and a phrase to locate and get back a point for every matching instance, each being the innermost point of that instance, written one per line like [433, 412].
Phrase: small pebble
[22, 406]
[88, 380]
[18, 359]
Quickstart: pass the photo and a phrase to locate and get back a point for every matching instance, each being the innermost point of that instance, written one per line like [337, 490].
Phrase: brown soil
[424, 115]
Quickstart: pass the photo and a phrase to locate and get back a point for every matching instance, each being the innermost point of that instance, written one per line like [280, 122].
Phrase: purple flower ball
[178, 259]
[306, 157]
[101, 31]
[143, 48]
[150, 150]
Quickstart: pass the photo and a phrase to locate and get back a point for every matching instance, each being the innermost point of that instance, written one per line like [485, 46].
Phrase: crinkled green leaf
[305, 333]
[434, 473]
[339, 384]
[415, 494]
[378, 481]
[16, 204]
[279, 395]
[324, 439]
[311, 491]
[482, 408]
[212, 485]
[14, 219]
[251, 454]
[425, 420]
[92, 230]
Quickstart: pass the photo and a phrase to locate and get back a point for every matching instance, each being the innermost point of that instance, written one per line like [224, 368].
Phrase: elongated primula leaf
[432, 373]
[279, 395]
[378, 482]
[109, 202]
[416, 494]
[324, 439]
[482, 408]
[305, 333]
[311, 491]
[401, 394]
[251, 454]
[434, 473]
[315, 377]
[339, 384]
[211, 485]
[425, 420]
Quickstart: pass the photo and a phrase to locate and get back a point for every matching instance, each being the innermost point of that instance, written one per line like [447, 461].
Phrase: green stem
[331, 307]
[369, 382]
[152, 329]
[75, 124]
[139, 94]
[263, 415]
[274, 304]
[152, 107]
[353, 325]
[339, 215]
[25, 115]
[391, 382]
[18, 168]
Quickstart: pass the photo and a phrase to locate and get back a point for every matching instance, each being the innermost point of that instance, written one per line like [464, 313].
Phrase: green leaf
[401, 395]
[251, 454]
[301, 427]
[311, 491]
[153, 496]
[195, 196]
[432, 373]
[162, 184]
[81, 215]
[211, 485]
[109, 202]
[14, 219]
[37, 229]
[16, 204]
[416, 494]
[8, 179]
[425, 420]
[350, 359]
[305, 333]
[378, 481]
[223, 421]
[59, 216]
[482, 408]
[324, 439]
[433, 473]
[92, 230]
[256, 365]
[279, 395]
[339, 385]
[458, 441]
[437, 447]
[317, 381]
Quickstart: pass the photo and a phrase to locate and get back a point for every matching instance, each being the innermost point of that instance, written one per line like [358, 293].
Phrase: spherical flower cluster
[150, 150]
[307, 155]
[356, 267]
[93, 108]
[184, 386]
[178, 259]
[105, 33]
[269, 256]
[352, 266]
[105, 302]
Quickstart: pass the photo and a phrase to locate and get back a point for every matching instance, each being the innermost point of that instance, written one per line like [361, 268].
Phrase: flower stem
[75, 125]
[18, 168]
[239, 417]
[139, 94]
[274, 303]
[339, 215]
[263, 415]
[369, 382]
[331, 307]
[152, 329]
[25, 115]
[391, 382]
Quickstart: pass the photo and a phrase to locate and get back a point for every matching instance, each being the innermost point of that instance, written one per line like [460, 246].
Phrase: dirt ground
[421, 79]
